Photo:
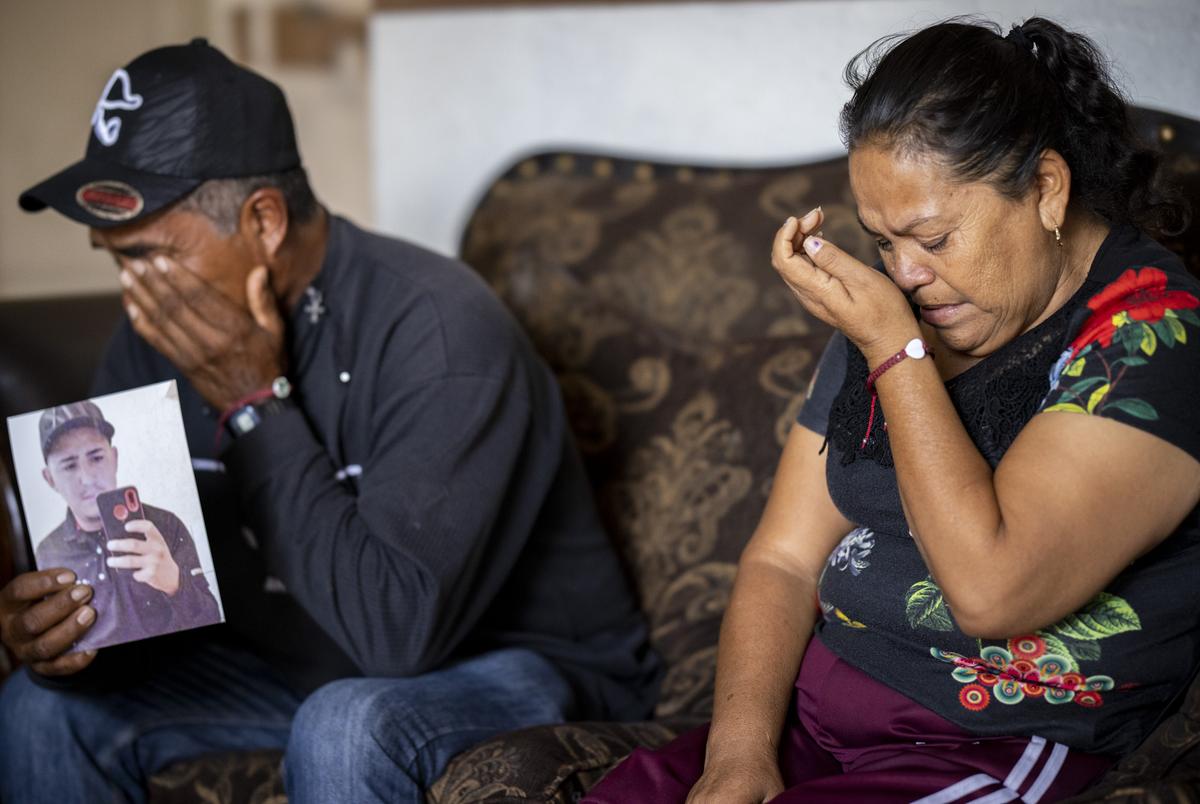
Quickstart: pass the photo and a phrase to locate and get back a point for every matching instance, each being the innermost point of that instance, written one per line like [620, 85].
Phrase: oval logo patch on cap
[111, 200]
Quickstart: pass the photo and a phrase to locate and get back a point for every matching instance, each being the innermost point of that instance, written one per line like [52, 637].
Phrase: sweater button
[344, 376]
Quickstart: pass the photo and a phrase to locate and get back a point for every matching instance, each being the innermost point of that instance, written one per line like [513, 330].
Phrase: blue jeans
[361, 740]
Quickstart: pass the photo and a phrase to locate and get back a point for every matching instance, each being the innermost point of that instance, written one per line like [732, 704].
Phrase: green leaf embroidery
[1096, 396]
[1076, 367]
[1129, 337]
[1056, 645]
[1130, 361]
[1138, 408]
[927, 608]
[1187, 315]
[1085, 651]
[1106, 615]
[1164, 332]
[1176, 329]
[1065, 407]
[1149, 342]
[1079, 388]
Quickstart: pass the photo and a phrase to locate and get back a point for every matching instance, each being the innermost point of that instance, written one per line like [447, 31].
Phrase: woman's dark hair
[987, 106]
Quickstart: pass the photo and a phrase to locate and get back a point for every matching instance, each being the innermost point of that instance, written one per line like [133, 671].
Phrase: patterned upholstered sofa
[683, 362]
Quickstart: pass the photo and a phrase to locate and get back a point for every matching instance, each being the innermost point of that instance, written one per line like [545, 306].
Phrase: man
[145, 583]
[397, 514]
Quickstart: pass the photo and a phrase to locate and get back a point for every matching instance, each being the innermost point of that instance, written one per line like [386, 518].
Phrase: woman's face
[980, 266]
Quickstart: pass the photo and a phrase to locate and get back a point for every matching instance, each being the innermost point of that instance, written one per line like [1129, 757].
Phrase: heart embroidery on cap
[107, 130]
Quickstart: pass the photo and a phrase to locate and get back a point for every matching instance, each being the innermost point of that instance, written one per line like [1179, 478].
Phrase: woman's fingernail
[80, 592]
[161, 264]
[812, 245]
[810, 217]
[125, 279]
[65, 577]
[85, 615]
[139, 267]
[132, 310]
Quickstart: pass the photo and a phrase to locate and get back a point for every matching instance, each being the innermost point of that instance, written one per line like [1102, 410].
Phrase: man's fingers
[31, 586]
[58, 639]
[204, 305]
[157, 315]
[65, 665]
[142, 526]
[127, 546]
[175, 309]
[263, 304]
[41, 617]
[132, 561]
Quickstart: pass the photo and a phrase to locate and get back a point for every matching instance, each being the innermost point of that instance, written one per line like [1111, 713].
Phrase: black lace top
[1126, 346]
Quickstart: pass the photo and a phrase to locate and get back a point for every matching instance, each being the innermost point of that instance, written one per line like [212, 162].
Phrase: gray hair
[220, 200]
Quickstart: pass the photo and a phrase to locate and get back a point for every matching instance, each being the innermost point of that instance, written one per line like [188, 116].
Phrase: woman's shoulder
[1119, 269]
[1133, 352]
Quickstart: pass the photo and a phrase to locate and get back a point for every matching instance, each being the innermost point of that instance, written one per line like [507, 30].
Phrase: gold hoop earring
[1058, 237]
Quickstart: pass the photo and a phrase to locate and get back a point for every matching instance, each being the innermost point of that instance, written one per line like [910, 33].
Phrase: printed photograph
[108, 492]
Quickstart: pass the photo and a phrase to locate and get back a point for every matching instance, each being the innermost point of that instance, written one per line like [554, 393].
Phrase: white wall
[456, 94]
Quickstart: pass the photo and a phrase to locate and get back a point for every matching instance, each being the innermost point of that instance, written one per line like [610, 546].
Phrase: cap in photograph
[58, 420]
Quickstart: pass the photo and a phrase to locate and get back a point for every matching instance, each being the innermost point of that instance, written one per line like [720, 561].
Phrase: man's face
[188, 238]
[80, 465]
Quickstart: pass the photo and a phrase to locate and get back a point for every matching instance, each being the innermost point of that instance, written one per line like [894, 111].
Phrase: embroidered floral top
[1127, 347]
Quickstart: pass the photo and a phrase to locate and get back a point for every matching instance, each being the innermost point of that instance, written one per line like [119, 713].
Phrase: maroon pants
[851, 739]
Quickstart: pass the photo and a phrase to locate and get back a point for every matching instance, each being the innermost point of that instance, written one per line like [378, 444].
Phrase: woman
[993, 493]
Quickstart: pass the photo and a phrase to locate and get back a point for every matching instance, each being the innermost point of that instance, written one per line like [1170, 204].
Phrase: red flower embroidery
[974, 697]
[1027, 647]
[1142, 294]
[1089, 698]
[1072, 681]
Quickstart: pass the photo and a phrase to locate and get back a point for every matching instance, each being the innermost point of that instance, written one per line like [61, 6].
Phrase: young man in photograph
[142, 583]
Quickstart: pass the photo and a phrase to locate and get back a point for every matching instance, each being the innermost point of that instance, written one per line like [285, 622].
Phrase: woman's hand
[740, 782]
[864, 304]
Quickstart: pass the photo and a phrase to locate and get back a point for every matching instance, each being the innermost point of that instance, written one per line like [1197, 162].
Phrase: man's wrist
[249, 412]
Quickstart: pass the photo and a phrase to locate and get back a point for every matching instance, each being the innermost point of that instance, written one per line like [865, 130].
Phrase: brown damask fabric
[247, 777]
[545, 763]
[682, 357]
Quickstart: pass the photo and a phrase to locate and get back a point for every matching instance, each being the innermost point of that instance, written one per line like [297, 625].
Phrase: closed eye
[934, 248]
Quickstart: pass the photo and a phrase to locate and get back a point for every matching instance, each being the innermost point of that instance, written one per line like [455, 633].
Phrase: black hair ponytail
[987, 106]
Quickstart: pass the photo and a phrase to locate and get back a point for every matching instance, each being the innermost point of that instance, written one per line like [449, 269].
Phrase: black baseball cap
[58, 420]
[165, 123]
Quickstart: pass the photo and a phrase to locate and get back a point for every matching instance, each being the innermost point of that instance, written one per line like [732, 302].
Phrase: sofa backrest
[682, 357]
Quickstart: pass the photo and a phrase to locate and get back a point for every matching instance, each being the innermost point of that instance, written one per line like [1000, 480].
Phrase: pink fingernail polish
[139, 267]
[161, 264]
[132, 311]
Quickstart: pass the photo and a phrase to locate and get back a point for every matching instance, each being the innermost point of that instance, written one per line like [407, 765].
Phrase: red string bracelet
[916, 349]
